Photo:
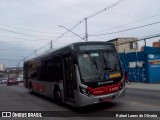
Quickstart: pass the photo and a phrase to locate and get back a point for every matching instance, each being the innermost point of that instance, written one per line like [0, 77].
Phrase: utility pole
[86, 36]
[145, 42]
[51, 44]
[17, 70]
[35, 52]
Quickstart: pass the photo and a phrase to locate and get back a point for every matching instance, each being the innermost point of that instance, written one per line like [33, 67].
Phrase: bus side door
[69, 79]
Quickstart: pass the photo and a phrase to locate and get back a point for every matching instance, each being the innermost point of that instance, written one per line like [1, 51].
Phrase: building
[142, 48]
[126, 44]
[156, 44]
[2, 67]
[14, 71]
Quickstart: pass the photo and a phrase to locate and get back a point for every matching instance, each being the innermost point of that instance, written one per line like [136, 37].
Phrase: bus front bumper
[84, 100]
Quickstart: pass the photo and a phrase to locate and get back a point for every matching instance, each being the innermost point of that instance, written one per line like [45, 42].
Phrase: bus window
[94, 66]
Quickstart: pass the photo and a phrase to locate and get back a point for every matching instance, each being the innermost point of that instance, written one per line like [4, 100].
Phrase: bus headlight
[85, 91]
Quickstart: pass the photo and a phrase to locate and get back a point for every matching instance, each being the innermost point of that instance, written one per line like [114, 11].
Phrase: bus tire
[57, 96]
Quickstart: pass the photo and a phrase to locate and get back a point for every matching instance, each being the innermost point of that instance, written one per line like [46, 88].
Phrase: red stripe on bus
[104, 90]
[38, 87]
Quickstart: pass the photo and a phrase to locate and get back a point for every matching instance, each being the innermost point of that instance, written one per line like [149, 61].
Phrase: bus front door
[69, 80]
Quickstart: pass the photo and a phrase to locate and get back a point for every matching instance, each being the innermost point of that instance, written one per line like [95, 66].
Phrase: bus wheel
[57, 97]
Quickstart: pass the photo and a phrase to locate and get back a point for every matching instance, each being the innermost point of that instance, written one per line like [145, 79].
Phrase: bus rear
[99, 74]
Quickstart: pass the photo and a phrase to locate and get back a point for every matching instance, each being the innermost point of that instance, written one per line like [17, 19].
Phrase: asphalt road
[17, 98]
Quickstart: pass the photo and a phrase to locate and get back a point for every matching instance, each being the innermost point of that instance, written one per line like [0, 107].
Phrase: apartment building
[2, 67]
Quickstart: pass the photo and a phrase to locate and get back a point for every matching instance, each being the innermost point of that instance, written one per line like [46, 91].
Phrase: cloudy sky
[29, 25]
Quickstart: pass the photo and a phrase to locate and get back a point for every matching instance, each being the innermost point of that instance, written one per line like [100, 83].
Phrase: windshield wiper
[106, 68]
[99, 73]
[93, 60]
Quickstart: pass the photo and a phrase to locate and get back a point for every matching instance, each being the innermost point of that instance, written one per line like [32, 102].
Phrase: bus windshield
[94, 66]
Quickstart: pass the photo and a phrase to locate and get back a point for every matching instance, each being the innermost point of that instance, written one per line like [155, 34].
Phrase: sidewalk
[144, 86]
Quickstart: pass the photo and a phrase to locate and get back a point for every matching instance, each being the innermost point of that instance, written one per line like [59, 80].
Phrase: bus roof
[67, 48]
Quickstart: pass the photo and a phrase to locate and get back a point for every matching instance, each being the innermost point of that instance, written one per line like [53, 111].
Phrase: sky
[28, 26]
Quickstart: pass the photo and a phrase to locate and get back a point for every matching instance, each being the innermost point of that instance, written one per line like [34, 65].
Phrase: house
[126, 44]
[156, 44]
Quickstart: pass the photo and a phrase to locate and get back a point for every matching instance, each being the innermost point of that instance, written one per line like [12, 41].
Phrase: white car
[3, 80]
[19, 79]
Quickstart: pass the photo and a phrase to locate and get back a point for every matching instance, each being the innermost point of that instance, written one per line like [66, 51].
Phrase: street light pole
[70, 31]
[51, 44]
[86, 36]
[35, 52]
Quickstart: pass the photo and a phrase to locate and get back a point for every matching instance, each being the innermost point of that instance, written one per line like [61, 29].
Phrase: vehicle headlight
[85, 91]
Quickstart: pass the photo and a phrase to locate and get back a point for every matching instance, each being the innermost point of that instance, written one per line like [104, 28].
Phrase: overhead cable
[106, 8]
[125, 29]
[27, 29]
[129, 23]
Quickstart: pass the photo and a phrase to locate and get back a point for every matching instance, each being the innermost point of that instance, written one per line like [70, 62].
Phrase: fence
[142, 66]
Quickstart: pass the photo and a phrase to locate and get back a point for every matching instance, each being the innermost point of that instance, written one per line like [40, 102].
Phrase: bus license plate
[106, 99]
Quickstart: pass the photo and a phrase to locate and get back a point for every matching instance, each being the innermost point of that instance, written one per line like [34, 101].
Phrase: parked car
[4, 80]
[12, 80]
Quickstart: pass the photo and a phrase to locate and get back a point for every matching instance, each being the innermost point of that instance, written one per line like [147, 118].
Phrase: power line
[8, 60]
[68, 31]
[27, 29]
[26, 40]
[30, 54]
[11, 31]
[30, 41]
[150, 36]
[126, 29]
[129, 23]
[105, 9]
[142, 38]
[13, 49]
[21, 33]
[97, 13]
[71, 31]
[36, 50]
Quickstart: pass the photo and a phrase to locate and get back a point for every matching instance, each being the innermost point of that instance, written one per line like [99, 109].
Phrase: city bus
[79, 74]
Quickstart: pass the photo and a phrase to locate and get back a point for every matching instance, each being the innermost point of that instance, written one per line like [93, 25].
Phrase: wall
[142, 66]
